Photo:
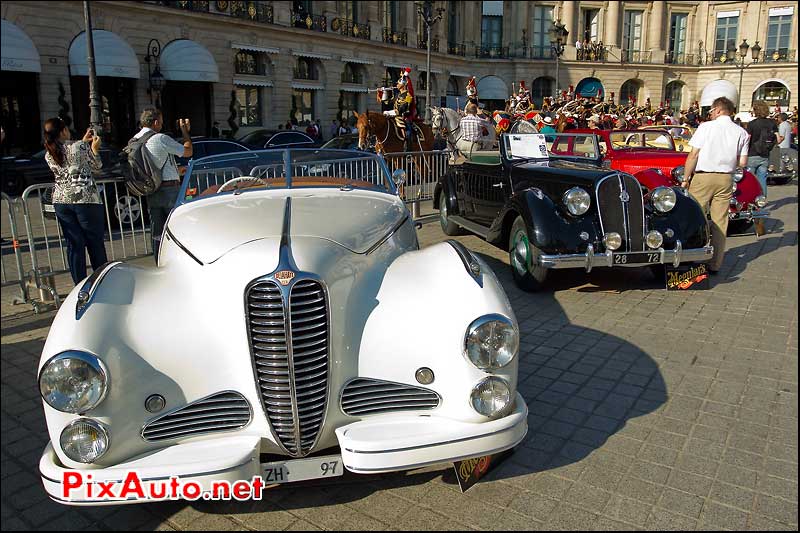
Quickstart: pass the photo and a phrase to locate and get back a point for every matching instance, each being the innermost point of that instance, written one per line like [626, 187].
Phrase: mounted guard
[404, 110]
[523, 100]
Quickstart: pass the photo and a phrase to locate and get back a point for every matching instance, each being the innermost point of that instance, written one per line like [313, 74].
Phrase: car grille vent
[364, 396]
[291, 363]
[225, 411]
[625, 217]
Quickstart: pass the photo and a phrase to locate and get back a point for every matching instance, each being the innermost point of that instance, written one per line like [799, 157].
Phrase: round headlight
[761, 201]
[663, 199]
[789, 167]
[491, 342]
[491, 397]
[771, 168]
[738, 175]
[84, 440]
[654, 239]
[612, 240]
[73, 382]
[677, 173]
[577, 201]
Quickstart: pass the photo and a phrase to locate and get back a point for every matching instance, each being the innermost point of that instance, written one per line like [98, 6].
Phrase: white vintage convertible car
[291, 328]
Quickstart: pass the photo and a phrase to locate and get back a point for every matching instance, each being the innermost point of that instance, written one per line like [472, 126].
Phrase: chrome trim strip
[182, 247]
[605, 259]
[589, 255]
[389, 235]
[678, 252]
[470, 263]
[89, 288]
[378, 381]
[176, 409]
[445, 443]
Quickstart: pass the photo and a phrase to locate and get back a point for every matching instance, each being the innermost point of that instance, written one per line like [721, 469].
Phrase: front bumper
[590, 259]
[379, 444]
[747, 214]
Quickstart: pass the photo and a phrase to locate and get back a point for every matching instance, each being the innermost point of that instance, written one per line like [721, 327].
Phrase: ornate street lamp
[95, 112]
[155, 79]
[558, 38]
[738, 59]
[425, 10]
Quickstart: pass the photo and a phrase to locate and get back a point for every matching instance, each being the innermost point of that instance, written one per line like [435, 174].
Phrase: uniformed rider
[404, 109]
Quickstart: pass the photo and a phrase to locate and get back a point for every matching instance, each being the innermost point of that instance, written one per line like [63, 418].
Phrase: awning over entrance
[492, 88]
[589, 87]
[718, 88]
[307, 85]
[19, 54]
[185, 60]
[113, 56]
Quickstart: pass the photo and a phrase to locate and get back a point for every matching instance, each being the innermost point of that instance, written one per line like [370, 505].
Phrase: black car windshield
[528, 147]
[282, 169]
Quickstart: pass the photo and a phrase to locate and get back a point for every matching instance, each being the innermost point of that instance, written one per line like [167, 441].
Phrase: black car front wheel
[523, 258]
[448, 227]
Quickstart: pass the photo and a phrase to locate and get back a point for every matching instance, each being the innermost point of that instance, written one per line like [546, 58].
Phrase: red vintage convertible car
[650, 155]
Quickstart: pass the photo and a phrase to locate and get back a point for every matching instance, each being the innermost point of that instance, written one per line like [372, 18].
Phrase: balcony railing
[779, 55]
[309, 21]
[595, 52]
[541, 52]
[422, 43]
[491, 52]
[254, 10]
[674, 58]
[350, 28]
[258, 11]
[186, 5]
[636, 56]
[457, 49]
[395, 37]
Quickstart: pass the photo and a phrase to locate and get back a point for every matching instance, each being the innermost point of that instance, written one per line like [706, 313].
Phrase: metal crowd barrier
[18, 278]
[423, 170]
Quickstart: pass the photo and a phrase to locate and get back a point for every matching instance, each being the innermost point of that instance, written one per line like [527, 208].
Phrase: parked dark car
[261, 139]
[567, 211]
[782, 169]
[348, 141]
[21, 171]
[202, 147]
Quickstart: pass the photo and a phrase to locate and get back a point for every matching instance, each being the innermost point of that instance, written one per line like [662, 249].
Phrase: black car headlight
[738, 175]
[677, 173]
[577, 201]
[73, 382]
[663, 199]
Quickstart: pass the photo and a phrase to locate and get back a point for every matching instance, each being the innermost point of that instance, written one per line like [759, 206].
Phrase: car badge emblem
[624, 196]
[284, 277]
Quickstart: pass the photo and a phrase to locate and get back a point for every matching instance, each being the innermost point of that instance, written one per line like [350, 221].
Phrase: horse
[375, 130]
[446, 122]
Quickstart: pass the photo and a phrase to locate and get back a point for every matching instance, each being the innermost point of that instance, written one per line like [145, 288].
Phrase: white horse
[446, 122]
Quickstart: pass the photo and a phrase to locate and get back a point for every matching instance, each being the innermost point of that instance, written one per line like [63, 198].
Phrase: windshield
[536, 146]
[284, 169]
[641, 139]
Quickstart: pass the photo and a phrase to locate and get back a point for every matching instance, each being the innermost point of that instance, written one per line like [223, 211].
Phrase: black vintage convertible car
[551, 204]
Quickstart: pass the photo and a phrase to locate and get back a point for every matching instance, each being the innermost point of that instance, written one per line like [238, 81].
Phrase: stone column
[655, 31]
[568, 19]
[611, 36]
[281, 11]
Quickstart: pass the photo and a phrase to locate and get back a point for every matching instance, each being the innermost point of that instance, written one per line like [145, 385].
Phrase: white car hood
[354, 219]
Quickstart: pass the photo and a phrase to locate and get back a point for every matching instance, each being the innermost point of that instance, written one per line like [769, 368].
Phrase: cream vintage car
[291, 328]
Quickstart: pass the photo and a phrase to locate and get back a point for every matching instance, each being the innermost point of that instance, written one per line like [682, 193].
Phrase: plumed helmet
[522, 89]
[471, 89]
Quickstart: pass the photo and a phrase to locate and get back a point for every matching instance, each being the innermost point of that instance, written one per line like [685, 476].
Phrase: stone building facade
[247, 64]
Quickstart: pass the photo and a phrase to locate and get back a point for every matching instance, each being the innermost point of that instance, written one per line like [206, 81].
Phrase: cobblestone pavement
[648, 410]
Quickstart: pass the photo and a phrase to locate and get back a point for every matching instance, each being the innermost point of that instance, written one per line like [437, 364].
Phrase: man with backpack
[763, 137]
[151, 159]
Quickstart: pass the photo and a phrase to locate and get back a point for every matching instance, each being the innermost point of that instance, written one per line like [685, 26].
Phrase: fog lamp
[491, 397]
[84, 440]
[761, 201]
[424, 376]
[654, 239]
[612, 240]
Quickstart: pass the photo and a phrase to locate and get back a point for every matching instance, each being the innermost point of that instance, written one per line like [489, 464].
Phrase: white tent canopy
[19, 54]
[718, 88]
[185, 60]
[113, 56]
[492, 88]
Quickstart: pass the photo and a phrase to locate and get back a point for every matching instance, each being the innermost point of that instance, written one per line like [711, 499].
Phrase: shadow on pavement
[752, 250]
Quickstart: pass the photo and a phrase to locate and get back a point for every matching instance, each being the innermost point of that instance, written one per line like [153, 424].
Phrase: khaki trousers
[713, 192]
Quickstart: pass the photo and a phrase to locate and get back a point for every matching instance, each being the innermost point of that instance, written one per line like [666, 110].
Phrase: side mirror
[680, 148]
[399, 177]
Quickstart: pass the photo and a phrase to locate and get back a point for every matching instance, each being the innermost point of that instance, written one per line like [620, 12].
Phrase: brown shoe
[759, 225]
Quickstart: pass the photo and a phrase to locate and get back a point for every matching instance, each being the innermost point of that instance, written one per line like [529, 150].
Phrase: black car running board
[474, 227]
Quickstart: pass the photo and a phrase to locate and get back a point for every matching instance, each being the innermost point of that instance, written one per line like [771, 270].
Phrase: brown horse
[376, 130]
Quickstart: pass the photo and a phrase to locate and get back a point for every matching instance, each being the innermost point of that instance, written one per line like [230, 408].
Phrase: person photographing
[718, 147]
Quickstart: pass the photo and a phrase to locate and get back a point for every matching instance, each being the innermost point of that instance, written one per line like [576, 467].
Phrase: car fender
[446, 184]
[687, 220]
[426, 302]
[651, 179]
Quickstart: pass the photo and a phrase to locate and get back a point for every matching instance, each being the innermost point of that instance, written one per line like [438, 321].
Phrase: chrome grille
[623, 217]
[290, 358]
[364, 396]
[224, 411]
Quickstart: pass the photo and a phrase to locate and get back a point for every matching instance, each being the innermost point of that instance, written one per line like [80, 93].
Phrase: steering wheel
[239, 179]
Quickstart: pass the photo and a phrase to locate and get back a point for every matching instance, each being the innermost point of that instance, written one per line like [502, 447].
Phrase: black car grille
[621, 208]
[225, 411]
[291, 364]
[364, 396]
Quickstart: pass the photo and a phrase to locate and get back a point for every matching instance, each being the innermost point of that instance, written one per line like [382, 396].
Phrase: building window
[727, 31]
[391, 16]
[542, 88]
[779, 34]
[304, 69]
[632, 32]
[492, 25]
[248, 100]
[629, 93]
[247, 62]
[352, 74]
[349, 10]
[348, 102]
[674, 94]
[677, 38]
[452, 23]
[591, 19]
[302, 105]
[540, 37]
[774, 93]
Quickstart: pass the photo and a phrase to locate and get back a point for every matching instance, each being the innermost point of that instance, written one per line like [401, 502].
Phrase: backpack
[763, 146]
[142, 175]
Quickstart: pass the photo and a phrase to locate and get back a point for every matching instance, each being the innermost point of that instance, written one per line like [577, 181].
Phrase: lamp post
[738, 59]
[558, 38]
[425, 10]
[155, 79]
[95, 112]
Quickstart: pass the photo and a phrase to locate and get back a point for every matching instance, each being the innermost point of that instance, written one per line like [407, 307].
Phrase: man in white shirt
[718, 147]
[163, 149]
